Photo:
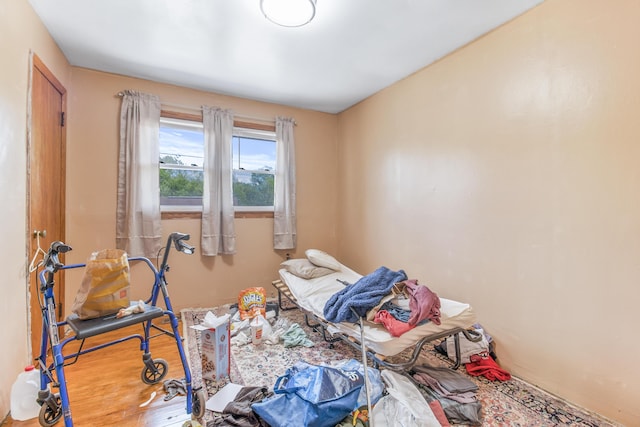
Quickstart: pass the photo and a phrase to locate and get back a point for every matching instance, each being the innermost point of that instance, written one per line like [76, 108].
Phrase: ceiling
[351, 50]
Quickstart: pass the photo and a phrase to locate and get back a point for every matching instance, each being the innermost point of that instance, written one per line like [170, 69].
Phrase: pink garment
[393, 325]
[437, 410]
[424, 304]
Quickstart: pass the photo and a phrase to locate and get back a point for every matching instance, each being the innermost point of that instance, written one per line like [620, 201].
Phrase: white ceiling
[351, 50]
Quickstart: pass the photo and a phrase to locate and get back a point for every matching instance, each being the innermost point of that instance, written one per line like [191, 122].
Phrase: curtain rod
[192, 108]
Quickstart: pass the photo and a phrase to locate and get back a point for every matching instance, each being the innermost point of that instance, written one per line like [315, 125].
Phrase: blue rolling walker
[53, 405]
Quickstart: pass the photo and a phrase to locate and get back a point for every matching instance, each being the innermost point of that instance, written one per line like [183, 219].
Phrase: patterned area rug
[509, 403]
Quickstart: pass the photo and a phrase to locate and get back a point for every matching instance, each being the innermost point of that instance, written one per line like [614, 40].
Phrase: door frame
[35, 314]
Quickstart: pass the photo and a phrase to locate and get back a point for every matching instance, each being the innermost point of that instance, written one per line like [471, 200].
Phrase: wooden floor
[105, 387]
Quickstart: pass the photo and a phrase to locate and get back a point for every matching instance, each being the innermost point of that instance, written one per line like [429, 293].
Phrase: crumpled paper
[213, 321]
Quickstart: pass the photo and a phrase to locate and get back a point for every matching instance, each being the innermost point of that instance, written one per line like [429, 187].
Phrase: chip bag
[252, 302]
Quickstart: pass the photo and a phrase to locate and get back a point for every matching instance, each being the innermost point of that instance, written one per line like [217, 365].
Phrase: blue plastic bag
[311, 396]
[376, 387]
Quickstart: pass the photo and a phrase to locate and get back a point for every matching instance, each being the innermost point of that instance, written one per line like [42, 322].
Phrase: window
[181, 166]
[181, 162]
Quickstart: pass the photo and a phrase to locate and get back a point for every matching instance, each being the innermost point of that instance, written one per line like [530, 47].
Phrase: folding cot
[311, 294]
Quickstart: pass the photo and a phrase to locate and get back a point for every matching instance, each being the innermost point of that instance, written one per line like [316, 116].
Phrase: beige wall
[92, 149]
[507, 175]
[20, 33]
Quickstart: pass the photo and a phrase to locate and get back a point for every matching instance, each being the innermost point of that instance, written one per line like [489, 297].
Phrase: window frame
[250, 133]
[180, 212]
[194, 124]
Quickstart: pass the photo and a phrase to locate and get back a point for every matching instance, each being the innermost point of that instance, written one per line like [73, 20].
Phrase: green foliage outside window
[257, 193]
[187, 183]
[180, 183]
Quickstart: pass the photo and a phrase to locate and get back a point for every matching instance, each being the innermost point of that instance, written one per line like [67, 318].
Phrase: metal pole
[364, 363]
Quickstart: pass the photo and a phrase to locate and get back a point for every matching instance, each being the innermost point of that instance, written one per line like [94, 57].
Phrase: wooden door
[46, 174]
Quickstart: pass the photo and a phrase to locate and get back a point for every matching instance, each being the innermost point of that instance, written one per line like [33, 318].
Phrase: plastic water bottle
[24, 393]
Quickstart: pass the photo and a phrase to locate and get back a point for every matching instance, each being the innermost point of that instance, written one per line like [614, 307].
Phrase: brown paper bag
[105, 285]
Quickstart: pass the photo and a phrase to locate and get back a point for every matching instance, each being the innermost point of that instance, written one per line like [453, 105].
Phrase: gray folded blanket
[361, 296]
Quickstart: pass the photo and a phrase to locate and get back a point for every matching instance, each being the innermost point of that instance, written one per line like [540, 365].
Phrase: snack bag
[251, 302]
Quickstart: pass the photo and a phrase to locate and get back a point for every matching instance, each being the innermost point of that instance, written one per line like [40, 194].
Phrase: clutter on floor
[345, 392]
[335, 394]
[498, 403]
[174, 388]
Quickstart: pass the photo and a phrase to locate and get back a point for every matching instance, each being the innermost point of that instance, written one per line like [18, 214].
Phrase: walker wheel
[49, 416]
[199, 400]
[150, 376]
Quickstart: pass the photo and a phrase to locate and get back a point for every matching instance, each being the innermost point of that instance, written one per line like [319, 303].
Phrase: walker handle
[179, 242]
[51, 261]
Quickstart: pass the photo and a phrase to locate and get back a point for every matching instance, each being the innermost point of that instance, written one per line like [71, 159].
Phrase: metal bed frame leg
[456, 341]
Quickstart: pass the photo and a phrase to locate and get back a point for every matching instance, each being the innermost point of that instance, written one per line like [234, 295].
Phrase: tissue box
[214, 346]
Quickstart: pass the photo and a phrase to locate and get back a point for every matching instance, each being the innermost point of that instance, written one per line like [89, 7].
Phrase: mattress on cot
[312, 294]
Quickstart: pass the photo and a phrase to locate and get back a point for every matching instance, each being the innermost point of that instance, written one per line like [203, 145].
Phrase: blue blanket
[362, 296]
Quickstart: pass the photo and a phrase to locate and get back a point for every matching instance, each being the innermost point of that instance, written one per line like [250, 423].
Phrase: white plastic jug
[24, 393]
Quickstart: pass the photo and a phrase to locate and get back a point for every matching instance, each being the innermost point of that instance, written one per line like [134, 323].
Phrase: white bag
[467, 348]
[404, 406]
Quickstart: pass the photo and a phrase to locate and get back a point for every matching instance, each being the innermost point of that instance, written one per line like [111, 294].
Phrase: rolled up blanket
[362, 296]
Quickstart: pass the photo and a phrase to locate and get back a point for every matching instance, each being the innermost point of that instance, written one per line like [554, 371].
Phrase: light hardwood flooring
[105, 386]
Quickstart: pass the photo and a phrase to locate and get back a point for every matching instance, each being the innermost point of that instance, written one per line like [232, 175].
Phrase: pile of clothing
[335, 395]
[307, 395]
[478, 357]
[328, 396]
[386, 297]
[449, 393]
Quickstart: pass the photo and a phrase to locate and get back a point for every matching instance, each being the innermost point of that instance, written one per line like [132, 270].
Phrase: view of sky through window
[186, 145]
[184, 142]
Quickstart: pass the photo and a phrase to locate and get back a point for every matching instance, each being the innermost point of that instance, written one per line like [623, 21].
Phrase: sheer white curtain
[284, 204]
[218, 230]
[138, 229]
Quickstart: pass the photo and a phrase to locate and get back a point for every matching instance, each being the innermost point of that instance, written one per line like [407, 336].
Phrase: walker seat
[100, 325]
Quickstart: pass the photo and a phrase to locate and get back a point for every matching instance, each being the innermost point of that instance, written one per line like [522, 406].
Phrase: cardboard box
[215, 355]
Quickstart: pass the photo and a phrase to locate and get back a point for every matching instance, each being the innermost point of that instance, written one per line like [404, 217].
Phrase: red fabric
[393, 325]
[483, 364]
[437, 410]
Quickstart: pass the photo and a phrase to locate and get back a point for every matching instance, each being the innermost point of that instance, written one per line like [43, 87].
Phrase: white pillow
[303, 268]
[322, 259]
